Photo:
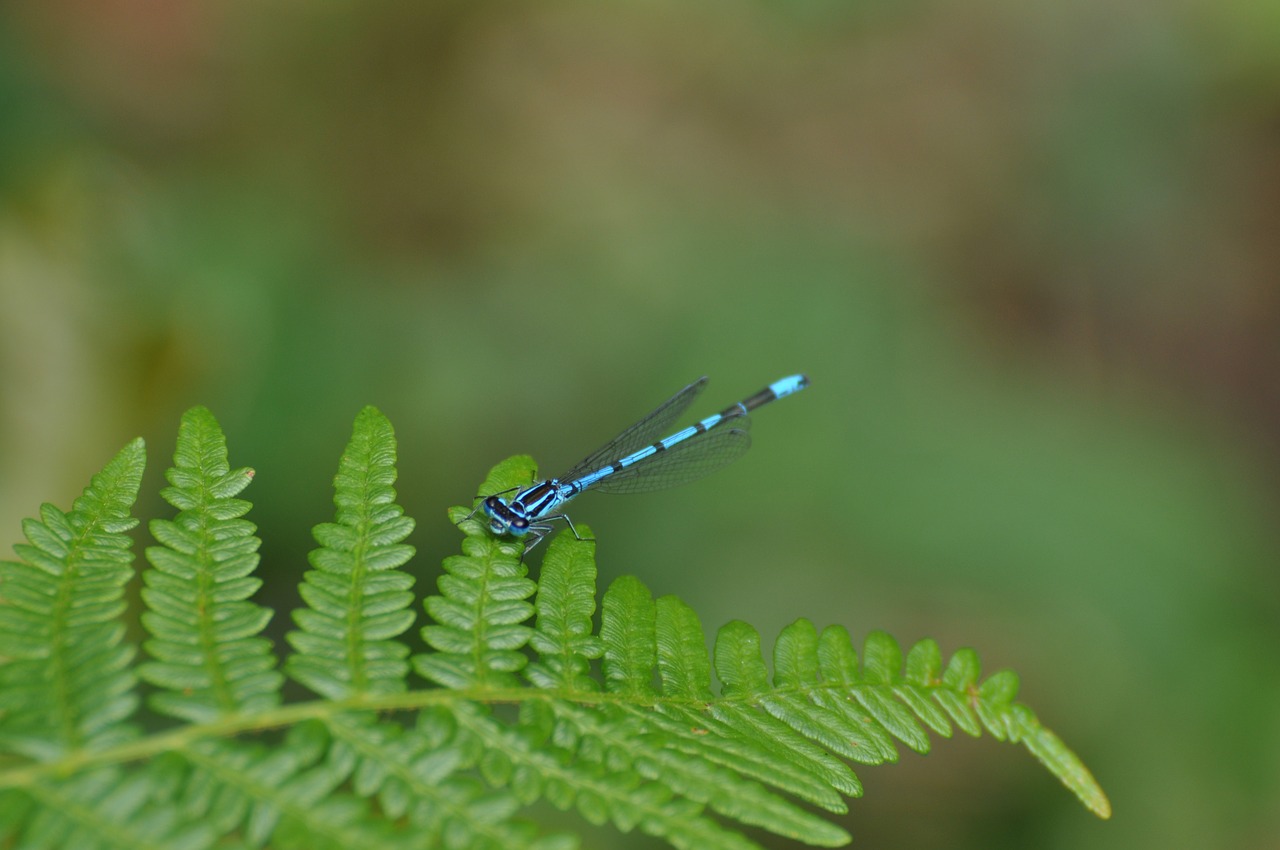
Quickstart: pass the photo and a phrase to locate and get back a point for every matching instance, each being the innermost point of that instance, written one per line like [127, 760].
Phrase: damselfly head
[498, 513]
[504, 519]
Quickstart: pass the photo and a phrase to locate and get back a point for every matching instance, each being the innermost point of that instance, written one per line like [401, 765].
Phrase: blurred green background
[1027, 252]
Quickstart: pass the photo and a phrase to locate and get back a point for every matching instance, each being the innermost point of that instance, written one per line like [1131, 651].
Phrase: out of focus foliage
[1026, 252]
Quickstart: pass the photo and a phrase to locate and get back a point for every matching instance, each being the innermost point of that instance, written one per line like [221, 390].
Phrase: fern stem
[321, 709]
[284, 717]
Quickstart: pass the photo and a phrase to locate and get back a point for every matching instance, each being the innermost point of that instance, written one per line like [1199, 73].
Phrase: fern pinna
[621, 724]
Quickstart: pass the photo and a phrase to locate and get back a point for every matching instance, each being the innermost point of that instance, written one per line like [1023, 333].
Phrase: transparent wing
[647, 430]
[697, 456]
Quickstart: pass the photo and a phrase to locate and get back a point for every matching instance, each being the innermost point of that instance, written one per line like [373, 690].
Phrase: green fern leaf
[209, 657]
[795, 668]
[627, 632]
[1061, 761]
[821, 703]
[648, 742]
[358, 601]
[682, 652]
[882, 661]
[960, 677]
[683, 662]
[923, 663]
[565, 603]
[785, 739]
[479, 633]
[66, 684]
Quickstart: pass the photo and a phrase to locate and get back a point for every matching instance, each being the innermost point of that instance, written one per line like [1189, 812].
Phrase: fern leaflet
[479, 613]
[209, 657]
[358, 601]
[66, 683]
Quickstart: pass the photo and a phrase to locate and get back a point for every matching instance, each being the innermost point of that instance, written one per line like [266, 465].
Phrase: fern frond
[627, 632]
[648, 741]
[210, 659]
[358, 601]
[65, 683]
[479, 613]
[563, 636]
[796, 731]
